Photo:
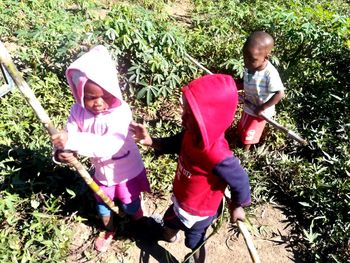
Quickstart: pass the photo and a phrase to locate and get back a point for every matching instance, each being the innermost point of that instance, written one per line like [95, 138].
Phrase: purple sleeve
[166, 145]
[231, 171]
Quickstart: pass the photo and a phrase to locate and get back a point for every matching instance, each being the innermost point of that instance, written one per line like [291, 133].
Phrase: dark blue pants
[195, 235]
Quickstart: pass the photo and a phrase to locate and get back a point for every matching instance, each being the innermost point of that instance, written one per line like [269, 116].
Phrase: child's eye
[109, 97]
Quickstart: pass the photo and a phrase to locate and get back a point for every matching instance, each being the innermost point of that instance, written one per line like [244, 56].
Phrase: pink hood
[104, 137]
[98, 66]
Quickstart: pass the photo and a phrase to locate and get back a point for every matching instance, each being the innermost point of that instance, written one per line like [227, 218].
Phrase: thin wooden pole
[244, 231]
[248, 241]
[274, 123]
[7, 62]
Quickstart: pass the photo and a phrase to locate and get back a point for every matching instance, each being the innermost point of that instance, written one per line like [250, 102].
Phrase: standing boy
[205, 164]
[263, 87]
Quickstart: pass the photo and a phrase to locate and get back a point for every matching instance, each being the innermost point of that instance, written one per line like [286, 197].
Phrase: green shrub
[149, 49]
[43, 236]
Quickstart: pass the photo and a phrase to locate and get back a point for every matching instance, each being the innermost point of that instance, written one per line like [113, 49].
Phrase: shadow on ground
[146, 234]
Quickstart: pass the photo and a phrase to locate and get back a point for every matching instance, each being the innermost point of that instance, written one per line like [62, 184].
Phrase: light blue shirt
[260, 86]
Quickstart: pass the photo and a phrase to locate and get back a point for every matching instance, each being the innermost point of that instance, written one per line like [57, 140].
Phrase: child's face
[96, 99]
[188, 120]
[255, 58]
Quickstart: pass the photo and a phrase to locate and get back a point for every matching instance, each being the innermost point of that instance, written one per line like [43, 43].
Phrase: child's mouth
[99, 110]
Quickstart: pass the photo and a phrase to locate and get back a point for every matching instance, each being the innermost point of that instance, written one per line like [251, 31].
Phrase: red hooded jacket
[213, 101]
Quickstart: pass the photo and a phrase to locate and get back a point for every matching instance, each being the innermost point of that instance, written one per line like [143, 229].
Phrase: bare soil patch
[179, 8]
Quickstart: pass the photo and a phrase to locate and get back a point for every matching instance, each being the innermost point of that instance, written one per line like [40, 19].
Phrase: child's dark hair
[259, 38]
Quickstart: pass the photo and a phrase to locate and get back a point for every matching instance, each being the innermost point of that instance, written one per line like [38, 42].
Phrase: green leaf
[305, 204]
[71, 193]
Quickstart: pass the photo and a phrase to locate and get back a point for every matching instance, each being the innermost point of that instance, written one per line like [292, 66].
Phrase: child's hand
[65, 156]
[140, 133]
[59, 140]
[237, 213]
[259, 110]
[239, 84]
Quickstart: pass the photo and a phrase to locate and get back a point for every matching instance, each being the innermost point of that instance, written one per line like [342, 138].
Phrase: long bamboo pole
[7, 62]
[274, 123]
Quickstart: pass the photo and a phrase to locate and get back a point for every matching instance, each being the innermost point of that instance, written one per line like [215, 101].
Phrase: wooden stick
[278, 126]
[248, 241]
[244, 230]
[6, 60]
[198, 64]
[274, 123]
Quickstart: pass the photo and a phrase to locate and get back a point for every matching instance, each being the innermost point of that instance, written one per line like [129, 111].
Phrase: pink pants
[128, 191]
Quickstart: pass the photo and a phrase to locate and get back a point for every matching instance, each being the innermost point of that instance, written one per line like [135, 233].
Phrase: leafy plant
[150, 51]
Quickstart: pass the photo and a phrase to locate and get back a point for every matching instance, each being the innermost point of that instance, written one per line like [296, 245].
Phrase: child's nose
[99, 101]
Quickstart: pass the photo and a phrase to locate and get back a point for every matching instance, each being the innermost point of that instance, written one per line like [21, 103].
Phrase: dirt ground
[269, 229]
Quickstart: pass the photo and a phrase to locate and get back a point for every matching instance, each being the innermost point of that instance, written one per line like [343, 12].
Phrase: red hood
[213, 100]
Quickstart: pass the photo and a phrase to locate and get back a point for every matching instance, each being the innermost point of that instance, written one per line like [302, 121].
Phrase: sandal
[103, 241]
[173, 239]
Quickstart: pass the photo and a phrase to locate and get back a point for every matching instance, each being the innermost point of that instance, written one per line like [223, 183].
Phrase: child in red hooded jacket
[206, 166]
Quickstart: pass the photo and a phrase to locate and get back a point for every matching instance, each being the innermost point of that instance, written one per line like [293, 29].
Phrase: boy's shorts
[195, 235]
[250, 128]
[126, 195]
